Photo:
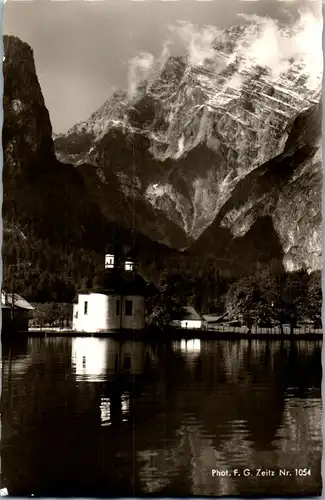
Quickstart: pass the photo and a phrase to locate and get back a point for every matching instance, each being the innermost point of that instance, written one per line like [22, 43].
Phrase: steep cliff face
[283, 199]
[30, 146]
[298, 212]
[203, 127]
[41, 195]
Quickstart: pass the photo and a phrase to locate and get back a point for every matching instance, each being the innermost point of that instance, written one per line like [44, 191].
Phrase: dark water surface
[96, 417]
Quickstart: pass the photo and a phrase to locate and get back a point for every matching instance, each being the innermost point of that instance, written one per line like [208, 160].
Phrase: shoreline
[170, 335]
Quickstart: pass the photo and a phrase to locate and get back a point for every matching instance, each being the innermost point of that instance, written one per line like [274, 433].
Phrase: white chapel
[116, 300]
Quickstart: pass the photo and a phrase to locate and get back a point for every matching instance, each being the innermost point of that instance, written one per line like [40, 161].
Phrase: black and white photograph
[161, 294]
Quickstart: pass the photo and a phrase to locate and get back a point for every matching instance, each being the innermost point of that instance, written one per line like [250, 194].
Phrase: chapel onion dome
[133, 283]
[119, 282]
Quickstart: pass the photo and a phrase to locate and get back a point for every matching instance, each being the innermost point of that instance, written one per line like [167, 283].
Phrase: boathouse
[15, 313]
[116, 299]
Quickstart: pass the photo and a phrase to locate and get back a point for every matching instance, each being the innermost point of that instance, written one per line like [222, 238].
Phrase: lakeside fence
[257, 330]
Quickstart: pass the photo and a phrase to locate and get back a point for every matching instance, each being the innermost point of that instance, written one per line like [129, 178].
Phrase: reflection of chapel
[116, 300]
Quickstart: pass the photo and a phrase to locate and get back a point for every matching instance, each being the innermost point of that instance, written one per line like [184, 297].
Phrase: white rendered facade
[100, 312]
[191, 324]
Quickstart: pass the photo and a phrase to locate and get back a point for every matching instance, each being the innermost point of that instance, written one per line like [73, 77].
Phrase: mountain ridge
[235, 112]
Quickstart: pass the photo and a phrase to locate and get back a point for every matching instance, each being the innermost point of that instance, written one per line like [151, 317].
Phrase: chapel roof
[116, 281]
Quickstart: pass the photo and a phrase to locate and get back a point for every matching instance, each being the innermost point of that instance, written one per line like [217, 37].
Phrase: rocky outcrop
[283, 199]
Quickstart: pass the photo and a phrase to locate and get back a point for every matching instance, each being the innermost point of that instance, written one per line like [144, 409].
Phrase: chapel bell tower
[116, 258]
[129, 264]
[109, 261]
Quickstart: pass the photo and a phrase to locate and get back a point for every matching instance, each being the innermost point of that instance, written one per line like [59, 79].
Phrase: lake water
[96, 417]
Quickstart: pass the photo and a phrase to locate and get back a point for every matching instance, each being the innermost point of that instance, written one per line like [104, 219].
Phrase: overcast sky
[83, 49]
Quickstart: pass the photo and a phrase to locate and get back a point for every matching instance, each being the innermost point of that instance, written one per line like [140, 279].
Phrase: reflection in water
[188, 346]
[94, 358]
[105, 411]
[89, 356]
[121, 409]
[125, 418]
[125, 406]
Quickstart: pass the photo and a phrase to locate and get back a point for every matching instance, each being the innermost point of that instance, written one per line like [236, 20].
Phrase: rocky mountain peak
[206, 126]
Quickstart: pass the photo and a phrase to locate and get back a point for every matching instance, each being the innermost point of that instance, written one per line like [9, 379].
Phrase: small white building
[187, 318]
[116, 300]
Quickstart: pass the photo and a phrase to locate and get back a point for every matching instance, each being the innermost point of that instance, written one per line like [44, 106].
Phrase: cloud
[197, 42]
[144, 65]
[268, 44]
[264, 42]
[307, 42]
[139, 69]
[165, 54]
